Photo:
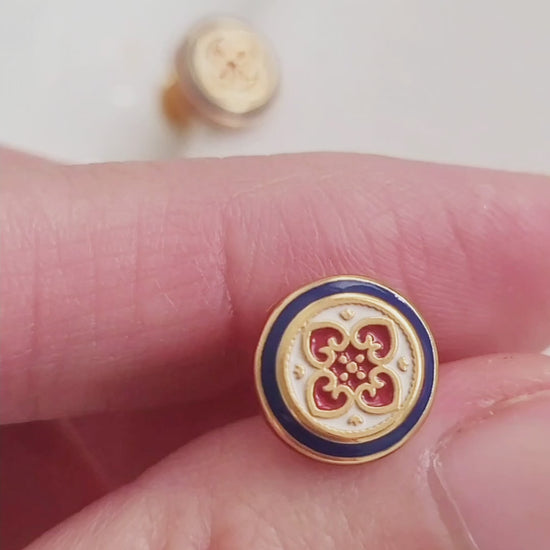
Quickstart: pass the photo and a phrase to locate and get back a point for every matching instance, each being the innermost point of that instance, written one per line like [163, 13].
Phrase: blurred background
[459, 82]
[447, 81]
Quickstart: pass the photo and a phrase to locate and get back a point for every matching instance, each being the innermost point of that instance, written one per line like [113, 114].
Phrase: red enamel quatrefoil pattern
[351, 367]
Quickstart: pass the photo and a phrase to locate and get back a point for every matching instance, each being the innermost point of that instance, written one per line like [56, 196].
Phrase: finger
[22, 161]
[46, 476]
[129, 285]
[50, 470]
[125, 443]
[477, 474]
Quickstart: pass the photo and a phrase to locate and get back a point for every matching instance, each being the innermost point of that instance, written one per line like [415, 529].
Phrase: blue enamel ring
[345, 370]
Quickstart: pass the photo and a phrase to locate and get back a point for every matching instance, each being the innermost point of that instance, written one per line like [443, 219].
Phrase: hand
[134, 294]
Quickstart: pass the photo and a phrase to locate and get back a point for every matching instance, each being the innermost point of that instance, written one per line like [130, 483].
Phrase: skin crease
[136, 286]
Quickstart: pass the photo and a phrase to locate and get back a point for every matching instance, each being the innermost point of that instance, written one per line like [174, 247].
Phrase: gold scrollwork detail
[335, 390]
[340, 344]
[370, 344]
[332, 347]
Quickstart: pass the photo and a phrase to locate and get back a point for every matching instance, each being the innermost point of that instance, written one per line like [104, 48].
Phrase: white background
[454, 81]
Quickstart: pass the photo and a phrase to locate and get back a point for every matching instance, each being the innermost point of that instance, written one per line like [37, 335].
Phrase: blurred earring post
[225, 73]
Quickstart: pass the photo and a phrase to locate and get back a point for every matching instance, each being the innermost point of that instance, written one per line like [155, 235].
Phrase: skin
[132, 298]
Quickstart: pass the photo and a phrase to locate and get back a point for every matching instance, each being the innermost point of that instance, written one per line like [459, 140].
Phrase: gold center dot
[344, 376]
[351, 367]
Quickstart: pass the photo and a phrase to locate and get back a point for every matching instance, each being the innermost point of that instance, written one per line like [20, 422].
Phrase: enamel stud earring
[225, 72]
[345, 370]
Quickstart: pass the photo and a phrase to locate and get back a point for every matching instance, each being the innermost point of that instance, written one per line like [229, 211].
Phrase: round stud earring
[224, 71]
[345, 370]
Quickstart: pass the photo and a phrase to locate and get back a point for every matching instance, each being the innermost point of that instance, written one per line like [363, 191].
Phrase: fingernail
[491, 478]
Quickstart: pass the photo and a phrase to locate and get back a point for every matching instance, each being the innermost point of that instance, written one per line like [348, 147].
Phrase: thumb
[492, 476]
[476, 475]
